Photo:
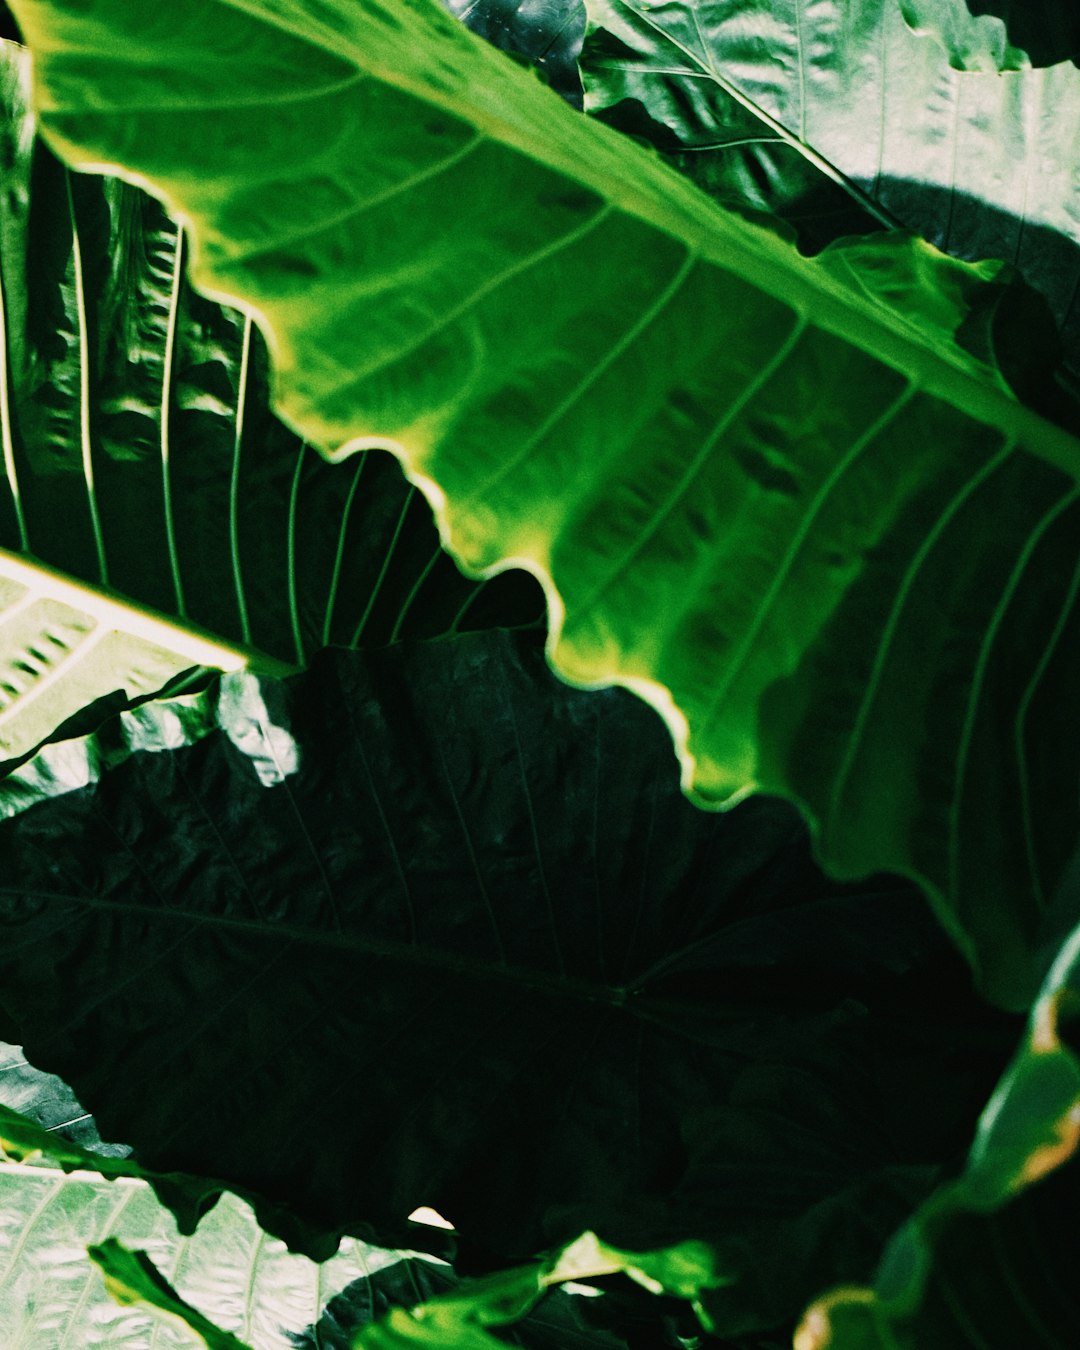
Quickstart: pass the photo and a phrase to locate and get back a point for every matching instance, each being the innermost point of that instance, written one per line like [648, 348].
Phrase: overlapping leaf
[981, 167]
[545, 33]
[51, 1294]
[429, 928]
[982, 1263]
[999, 35]
[561, 1321]
[819, 540]
[47, 1103]
[140, 457]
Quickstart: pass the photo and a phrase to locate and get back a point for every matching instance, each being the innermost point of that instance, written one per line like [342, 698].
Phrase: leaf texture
[982, 168]
[47, 1102]
[754, 493]
[51, 1294]
[141, 457]
[68, 650]
[998, 35]
[426, 927]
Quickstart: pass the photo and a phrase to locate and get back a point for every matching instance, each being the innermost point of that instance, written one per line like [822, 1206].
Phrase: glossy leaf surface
[429, 928]
[999, 35]
[140, 457]
[983, 168]
[52, 1295]
[753, 487]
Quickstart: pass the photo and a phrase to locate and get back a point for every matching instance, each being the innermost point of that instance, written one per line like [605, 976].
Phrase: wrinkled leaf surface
[429, 928]
[999, 35]
[981, 167]
[51, 1294]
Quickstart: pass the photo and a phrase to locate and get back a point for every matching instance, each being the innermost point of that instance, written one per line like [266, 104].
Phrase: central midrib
[472, 968]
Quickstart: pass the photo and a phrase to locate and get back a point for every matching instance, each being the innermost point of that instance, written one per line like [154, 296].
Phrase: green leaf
[51, 1295]
[997, 35]
[140, 458]
[426, 927]
[564, 1319]
[981, 1263]
[132, 1278]
[816, 541]
[750, 88]
[458, 1320]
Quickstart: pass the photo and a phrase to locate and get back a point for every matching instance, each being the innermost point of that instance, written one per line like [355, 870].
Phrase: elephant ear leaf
[998, 35]
[529, 985]
[834, 552]
[154, 514]
[758, 105]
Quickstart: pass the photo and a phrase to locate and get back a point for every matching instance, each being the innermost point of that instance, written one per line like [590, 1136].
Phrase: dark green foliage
[427, 927]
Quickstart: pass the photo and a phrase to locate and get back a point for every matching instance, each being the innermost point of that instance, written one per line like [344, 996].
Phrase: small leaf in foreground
[131, 1277]
[459, 1320]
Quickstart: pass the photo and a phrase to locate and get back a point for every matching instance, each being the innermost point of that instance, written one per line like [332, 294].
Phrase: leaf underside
[51, 1294]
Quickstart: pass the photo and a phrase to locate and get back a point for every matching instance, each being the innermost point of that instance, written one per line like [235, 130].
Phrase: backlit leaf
[827, 546]
[141, 459]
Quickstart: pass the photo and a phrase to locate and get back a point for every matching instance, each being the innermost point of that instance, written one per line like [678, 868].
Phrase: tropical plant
[421, 925]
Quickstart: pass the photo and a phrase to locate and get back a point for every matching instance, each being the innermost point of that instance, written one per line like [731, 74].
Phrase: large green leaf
[820, 539]
[140, 457]
[427, 927]
[747, 88]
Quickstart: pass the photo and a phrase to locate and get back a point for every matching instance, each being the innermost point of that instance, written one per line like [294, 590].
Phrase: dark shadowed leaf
[984, 1262]
[544, 33]
[428, 928]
